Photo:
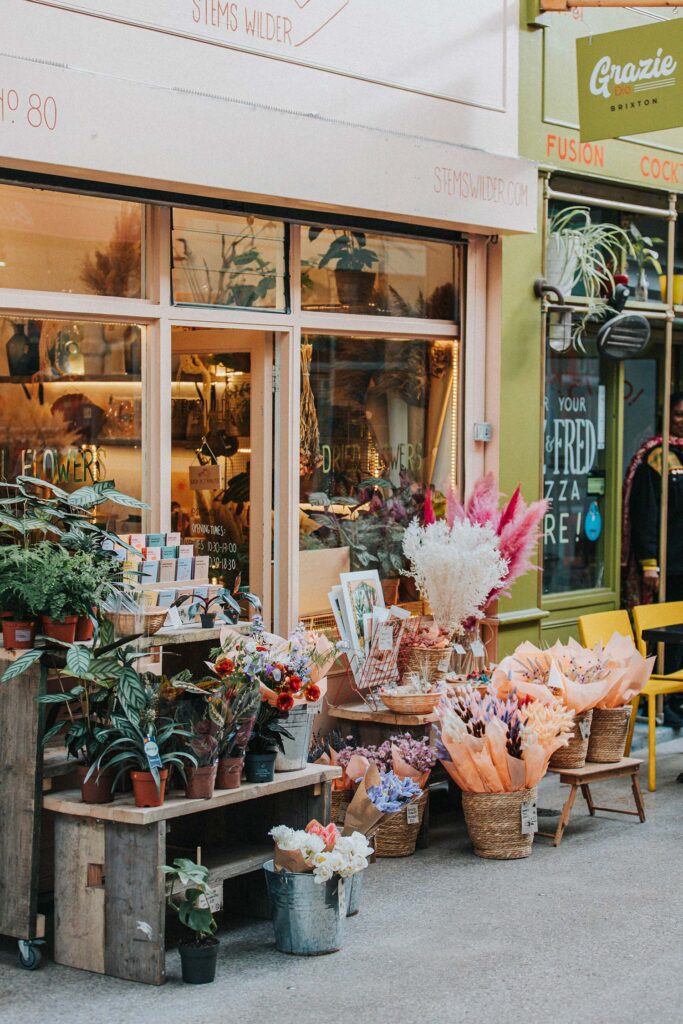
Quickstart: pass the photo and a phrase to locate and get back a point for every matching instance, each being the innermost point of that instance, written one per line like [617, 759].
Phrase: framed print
[361, 593]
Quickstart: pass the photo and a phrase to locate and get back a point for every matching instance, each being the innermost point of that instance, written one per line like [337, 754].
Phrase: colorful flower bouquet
[406, 757]
[392, 793]
[491, 745]
[579, 678]
[388, 807]
[319, 849]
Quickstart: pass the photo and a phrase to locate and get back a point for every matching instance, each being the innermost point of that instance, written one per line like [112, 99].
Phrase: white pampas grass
[455, 567]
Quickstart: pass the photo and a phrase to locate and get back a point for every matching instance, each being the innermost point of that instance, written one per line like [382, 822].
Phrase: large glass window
[575, 477]
[58, 242]
[71, 406]
[225, 260]
[377, 429]
[357, 272]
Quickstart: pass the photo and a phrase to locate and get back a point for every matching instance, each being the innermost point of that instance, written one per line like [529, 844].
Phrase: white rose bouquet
[320, 849]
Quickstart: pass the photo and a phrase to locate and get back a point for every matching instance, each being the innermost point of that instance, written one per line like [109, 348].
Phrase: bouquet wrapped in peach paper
[580, 678]
[490, 745]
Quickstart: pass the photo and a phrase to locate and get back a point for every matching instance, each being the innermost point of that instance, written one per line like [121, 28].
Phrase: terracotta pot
[97, 790]
[53, 629]
[229, 773]
[390, 590]
[145, 790]
[19, 636]
[85, 628]
[200, 782]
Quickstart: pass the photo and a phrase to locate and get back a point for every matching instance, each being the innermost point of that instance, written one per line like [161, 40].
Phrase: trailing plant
[598, 248]
[193, 878]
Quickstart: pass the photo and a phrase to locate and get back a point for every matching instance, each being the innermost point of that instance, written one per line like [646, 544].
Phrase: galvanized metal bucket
[299, 722]
[308, 917]
[354, 892]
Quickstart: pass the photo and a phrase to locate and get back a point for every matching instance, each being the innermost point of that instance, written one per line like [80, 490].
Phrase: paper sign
[385, 640]
[214, 902]
[459, 649]
[529, 814]
[173, 619]
[152, 754]
[205, 477]
[412, 814]
[478, 649]
[341, 892]
[584, 728]
[445, 662]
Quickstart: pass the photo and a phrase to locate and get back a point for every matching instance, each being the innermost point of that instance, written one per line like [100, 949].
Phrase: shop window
[224, 260]
[57, 242]
[71, 406]
[377, 429]
[356, 272]
[574, 476]
[211, 452]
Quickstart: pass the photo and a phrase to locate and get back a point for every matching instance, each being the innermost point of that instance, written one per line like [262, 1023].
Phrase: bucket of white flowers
[308, 883]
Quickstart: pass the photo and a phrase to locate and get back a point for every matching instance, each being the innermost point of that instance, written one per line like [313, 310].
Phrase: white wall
[389, 107]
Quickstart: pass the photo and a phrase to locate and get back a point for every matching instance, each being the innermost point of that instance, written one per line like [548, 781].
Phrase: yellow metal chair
[600, 627]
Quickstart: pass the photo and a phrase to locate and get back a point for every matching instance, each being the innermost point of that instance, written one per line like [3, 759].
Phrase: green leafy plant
[348, 250]
[643, 251]
[192, 878]
[600, 250]
[268, 732]
[244, 278]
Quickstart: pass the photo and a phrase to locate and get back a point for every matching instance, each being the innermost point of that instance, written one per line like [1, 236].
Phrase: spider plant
[597, 250]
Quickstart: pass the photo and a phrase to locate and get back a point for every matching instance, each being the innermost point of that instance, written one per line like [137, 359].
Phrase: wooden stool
[592, 772]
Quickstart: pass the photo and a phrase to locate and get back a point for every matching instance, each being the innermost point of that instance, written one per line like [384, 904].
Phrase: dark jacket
[646, 498]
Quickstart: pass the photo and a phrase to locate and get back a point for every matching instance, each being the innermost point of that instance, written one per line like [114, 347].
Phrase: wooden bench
[110, 895]
[583, 778]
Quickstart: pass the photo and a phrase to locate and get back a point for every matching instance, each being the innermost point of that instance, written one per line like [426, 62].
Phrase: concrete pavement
[590, 933]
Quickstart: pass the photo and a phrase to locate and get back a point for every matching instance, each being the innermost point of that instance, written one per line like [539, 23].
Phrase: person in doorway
[640, 539]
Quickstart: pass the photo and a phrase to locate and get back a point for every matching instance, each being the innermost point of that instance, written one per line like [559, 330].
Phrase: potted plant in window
[582, 252]
[644, 254]
[353, 262]
[193, 906]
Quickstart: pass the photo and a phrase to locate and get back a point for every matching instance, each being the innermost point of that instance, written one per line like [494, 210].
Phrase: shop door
[221, 453]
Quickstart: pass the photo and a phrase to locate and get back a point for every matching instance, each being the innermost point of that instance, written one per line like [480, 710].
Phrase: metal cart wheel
[29, 955]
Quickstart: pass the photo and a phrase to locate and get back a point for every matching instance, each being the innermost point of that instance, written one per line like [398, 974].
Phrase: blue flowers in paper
[393, 793]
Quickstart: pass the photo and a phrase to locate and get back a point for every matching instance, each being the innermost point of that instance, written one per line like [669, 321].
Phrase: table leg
[638, 796]
[79, 893]
[585, 789]
[564, 817]
[135, 901]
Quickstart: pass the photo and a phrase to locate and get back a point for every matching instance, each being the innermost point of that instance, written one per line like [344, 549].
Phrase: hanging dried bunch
[310, 456]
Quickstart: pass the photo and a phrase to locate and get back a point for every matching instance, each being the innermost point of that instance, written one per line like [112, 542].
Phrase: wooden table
[110, 896]
[583, 778]
[377, 726]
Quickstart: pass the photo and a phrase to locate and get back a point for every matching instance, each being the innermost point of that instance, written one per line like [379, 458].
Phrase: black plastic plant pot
[260, 767]
[208, 620]
[199, 962]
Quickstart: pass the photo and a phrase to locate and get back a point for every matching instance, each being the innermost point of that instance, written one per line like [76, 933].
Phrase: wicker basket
[494, 822]
[341, 798]
[608, 734]
[128, 623]
[574, 754]
[395, 837]
[429, 662]
[411, 703]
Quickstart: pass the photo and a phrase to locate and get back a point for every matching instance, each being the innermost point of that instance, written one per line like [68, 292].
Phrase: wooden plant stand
[110, 895]
[583, 778]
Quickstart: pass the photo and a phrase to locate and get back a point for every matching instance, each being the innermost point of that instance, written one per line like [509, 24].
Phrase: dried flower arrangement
[406, 756]
[490, 745]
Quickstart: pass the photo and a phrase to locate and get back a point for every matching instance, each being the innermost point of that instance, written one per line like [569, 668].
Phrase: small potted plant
[242, 701]
[264, 743]
[200, 710]
[192, 904]
[19, 596]
[644, 253]
[353, 262]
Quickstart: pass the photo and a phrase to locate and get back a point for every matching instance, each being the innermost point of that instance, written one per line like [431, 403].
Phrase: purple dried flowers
[393, 793]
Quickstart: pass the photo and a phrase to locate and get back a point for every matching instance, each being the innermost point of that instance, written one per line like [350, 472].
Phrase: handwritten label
[385, 638]
[413, 814]
[214, 902]
[205, 478]
[459, 649]
[529, 815]
[478, 649]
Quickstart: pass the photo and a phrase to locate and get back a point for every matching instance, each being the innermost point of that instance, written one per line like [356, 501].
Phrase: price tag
[412, 814]
[314, 708]
[385, 639]
[444, 663]
[459, 649]
[478, 649]
[173, 619]
[341, 892]
[214, 902]
[529, 814]
[584, 728]
[152, 754]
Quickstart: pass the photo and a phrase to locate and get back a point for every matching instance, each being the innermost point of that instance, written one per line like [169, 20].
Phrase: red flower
[224, 666]
[294, 683]
[261, 648]
[284, 702]
[312, 693]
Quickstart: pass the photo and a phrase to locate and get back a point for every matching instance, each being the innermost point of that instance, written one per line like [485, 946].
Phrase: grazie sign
[630, 82]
